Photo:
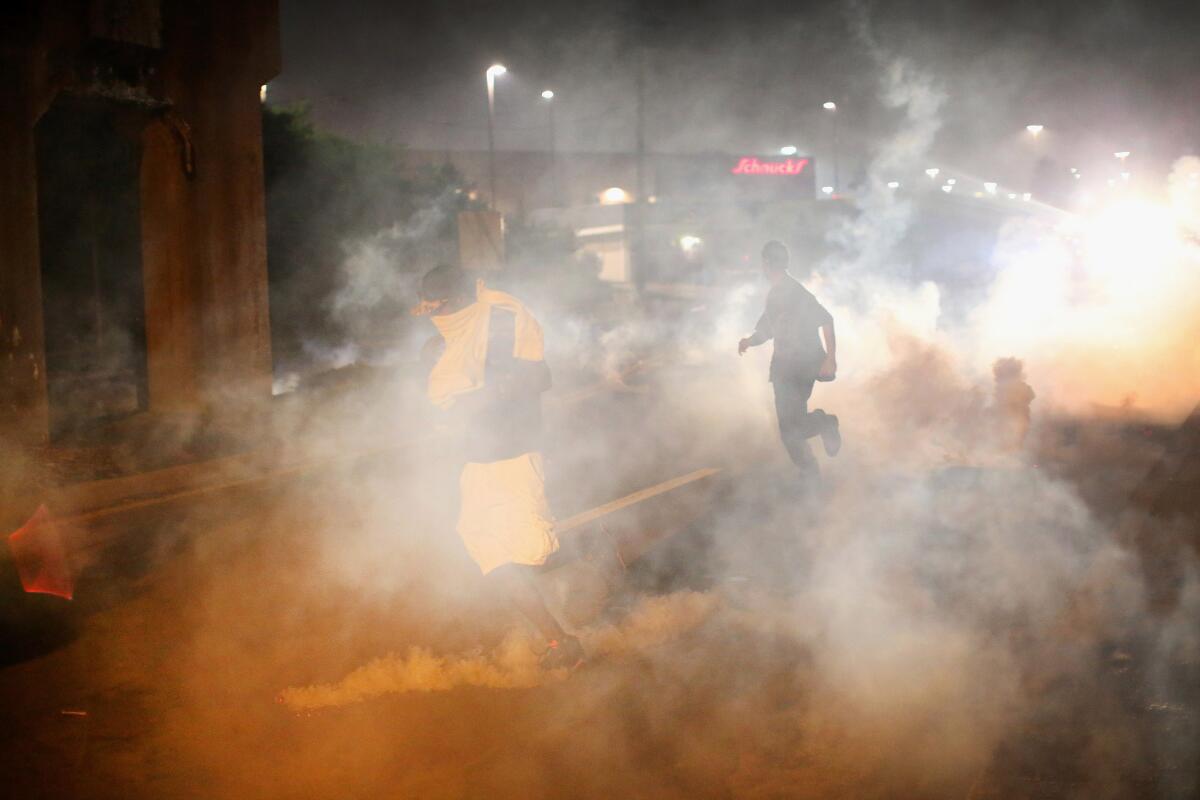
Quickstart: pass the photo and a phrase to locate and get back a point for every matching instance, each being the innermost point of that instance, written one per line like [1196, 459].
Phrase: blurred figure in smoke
[792, 318]
[1010, 402]
[489, 375]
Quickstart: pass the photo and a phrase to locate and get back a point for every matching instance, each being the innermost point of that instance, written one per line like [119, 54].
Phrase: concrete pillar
[168, 274]
[233, 272]
[205, 252]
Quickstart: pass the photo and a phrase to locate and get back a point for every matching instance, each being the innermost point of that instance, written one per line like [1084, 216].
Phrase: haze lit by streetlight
[829, 105]
[788, 150]
[989, 187]
[893, 184]
[1121, 154]
[614, 195]
[548, 94]
[496, 69]
[827, 189]
[932, 172]
[1035, 129]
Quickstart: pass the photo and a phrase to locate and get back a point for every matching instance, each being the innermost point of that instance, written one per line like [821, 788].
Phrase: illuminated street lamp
[1121, 155]
[832, 108]
[1035, 129]
[827, 189]
[932, 172]
[614, 195]
[493, 72]
[548, 97]
[893, 184]
[788, 150]
[989, 187]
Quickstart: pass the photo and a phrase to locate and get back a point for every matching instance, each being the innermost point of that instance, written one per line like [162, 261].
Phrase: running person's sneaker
[562, 653]
[831, 437]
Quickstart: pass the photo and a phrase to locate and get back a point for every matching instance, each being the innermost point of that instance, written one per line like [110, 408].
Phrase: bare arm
[829, 365]
[762, 333]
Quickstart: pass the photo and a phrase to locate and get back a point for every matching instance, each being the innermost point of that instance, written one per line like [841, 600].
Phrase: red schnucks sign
[750, 165]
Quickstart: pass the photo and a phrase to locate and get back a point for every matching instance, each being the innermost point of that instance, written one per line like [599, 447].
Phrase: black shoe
[565, 653]
[831, 437]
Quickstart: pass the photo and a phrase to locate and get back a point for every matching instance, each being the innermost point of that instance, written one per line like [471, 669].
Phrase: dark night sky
[747, 76]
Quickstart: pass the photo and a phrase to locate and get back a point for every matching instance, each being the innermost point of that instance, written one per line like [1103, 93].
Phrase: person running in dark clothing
[793, 316]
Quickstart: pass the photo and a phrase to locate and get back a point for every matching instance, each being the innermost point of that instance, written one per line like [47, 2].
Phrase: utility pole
[555, 178]
[494, 71]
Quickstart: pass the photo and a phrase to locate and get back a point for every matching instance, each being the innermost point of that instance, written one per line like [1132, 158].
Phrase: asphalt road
[772, 646]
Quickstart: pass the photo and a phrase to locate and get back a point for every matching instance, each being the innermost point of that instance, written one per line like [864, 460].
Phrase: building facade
[133, 274]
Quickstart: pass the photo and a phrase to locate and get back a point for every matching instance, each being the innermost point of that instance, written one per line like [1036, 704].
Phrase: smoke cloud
[946, 606]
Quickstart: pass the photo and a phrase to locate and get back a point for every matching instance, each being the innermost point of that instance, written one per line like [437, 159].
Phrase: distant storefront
[703, 212]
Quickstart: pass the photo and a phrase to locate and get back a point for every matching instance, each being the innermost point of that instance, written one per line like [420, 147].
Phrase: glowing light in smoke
[827, 189]
[989, 187]
[787, 150]
[496, 70]
[1012, 196]
[1027, 197]
[893, 184]
[1121, 155]
[548, 94]
[262, 93]
[932, 172]
[829, 105]
[689, 242]
[951, 181]
[1130, 247]
[947, 188]
[1035, 129]
[1103, 303]
[614, 195]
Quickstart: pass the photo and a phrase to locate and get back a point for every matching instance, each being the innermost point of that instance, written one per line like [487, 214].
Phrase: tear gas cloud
[929, 607]
[886, 644]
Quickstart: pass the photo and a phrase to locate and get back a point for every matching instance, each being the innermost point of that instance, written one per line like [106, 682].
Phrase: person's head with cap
[775, 261]
[446, 289]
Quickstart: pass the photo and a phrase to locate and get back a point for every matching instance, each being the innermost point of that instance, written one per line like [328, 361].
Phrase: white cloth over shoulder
[461, 368]
[504, 517]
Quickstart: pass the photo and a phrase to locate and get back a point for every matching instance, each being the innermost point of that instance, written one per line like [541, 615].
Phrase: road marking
[632, 499]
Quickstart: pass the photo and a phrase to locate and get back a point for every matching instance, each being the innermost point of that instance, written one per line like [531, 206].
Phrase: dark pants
[796, 424]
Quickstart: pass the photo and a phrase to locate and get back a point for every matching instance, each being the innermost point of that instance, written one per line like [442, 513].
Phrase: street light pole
[491, 74]
[555, 182]
[832, 108]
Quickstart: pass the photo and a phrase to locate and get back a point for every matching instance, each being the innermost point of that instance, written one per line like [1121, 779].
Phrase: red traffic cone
[40, 556]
